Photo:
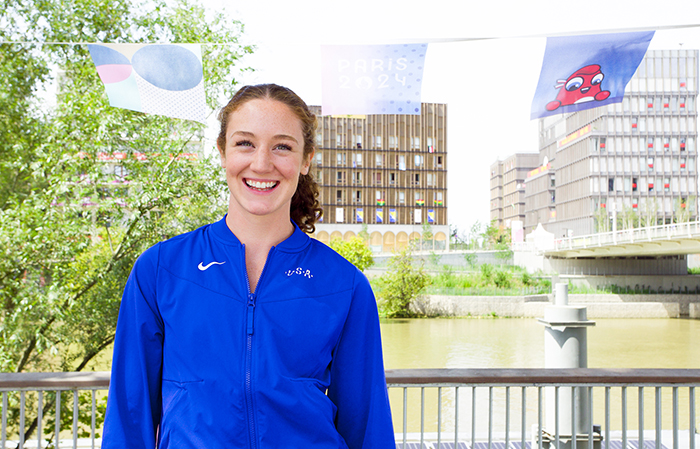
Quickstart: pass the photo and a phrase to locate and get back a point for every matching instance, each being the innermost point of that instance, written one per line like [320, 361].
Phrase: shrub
[502, 279]
[401, 284]
[355, 250]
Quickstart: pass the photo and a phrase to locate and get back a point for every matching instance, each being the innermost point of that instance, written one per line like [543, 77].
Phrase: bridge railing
[432, 408]
[648, 233]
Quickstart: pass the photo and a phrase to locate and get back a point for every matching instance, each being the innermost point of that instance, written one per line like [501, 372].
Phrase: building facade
[634, 162]
[508, 187]
[387, 173]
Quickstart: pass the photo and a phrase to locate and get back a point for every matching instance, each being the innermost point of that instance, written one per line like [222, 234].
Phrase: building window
[393, 142]
[611, 184]
[418, 160]
[634, 184]
[319, 159]
[357, 159]
[378, 178]
[379, 160]
[402, 198]
[392, 178]
[357, 177]
[439, 162]
[358, 196]
[415, 143]
[377, 141]
[358, 140]
[341, 177]
[338, 196]
[431, 179]
[416, 179]
[341, 159]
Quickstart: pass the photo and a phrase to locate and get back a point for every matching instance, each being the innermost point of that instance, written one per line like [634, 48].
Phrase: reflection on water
[519, 343]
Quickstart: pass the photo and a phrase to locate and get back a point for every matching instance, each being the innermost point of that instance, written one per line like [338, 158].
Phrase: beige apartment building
[508, 187]
[634, 161]
[386, 173]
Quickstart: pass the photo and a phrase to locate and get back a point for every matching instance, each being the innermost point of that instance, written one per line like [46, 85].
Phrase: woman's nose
[262, 160]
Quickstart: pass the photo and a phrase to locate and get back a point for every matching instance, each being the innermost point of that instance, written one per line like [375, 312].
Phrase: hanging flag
[431, 216]
[372, 79]
[380, 215]
[359, 215]
[161, 79]
[584, 72]
[392, 215]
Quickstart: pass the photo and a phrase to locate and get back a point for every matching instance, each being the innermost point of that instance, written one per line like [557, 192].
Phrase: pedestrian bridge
[664, 240]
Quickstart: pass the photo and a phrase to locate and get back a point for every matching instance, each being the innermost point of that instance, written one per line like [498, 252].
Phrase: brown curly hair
[305, 208]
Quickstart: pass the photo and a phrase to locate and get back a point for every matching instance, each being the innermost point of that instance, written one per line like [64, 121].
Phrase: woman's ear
[222, 155]
[307, 164]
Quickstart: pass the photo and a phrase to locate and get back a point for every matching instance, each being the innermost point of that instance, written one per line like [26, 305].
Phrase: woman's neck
[259, 233]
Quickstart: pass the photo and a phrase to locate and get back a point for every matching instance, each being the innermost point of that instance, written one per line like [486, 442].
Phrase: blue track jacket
[200, 362]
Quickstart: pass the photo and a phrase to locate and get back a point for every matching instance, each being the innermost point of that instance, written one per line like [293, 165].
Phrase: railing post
[640, 407]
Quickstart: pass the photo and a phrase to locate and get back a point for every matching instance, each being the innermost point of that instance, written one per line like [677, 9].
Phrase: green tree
[402, 283]
[70, 230]
[602, 223]
[427, 236]
[474, 234]
[496, 237]
[356, 251]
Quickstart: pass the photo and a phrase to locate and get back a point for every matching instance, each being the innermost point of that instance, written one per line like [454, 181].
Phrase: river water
[519, 343]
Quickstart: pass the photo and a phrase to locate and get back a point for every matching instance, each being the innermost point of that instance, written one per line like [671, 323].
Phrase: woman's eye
[283, 146]
[244, 143]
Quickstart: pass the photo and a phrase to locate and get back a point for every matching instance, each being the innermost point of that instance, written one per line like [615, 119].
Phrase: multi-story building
[635, 160]
[508, 187]
[385, 173]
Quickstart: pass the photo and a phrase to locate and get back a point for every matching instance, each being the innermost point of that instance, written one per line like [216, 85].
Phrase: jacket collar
[295, 242]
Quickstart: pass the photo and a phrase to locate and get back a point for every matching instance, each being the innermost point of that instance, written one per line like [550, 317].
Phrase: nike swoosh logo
[205, 267]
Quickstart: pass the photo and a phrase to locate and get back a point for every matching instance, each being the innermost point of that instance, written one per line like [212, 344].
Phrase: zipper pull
[250, 312]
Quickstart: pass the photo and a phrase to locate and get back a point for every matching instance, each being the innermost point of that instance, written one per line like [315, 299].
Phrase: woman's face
[263, 158]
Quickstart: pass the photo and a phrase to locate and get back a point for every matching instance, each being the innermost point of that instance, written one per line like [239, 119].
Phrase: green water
[519, 343]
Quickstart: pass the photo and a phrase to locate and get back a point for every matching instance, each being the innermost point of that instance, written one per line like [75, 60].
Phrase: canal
[519, 343]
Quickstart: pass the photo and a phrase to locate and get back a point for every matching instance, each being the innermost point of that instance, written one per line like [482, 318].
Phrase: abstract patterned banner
[584, 72]
[161, 79]
[372, 79]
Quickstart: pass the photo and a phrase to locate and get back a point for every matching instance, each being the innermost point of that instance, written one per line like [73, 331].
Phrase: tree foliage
[356, 251]
[71, 222]
[401, 284]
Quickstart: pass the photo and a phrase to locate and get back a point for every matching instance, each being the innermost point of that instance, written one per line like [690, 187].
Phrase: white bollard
[565, 346]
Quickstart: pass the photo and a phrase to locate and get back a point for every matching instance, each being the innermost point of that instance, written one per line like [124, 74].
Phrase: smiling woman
[246, 332]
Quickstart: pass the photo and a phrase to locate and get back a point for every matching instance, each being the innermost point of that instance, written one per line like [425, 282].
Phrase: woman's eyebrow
[277, 136]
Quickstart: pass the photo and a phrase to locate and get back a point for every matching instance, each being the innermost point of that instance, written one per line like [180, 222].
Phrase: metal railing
[432, 408]
[505, 408]
[643, 234]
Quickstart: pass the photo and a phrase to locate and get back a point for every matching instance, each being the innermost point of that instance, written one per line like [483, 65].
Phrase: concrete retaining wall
[599, 306]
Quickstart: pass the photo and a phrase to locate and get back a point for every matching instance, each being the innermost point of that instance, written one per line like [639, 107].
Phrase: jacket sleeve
[134, 401]
[358, 385]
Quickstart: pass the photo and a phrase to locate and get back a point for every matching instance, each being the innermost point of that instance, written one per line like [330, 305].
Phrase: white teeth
[261, 185]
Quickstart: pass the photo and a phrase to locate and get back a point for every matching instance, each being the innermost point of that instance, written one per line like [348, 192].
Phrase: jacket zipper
[250, 315]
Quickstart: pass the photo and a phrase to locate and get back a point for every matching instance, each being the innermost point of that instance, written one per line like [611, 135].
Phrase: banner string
[390, 41]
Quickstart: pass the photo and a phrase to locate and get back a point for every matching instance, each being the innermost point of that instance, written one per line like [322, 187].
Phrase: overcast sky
[487, 84]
